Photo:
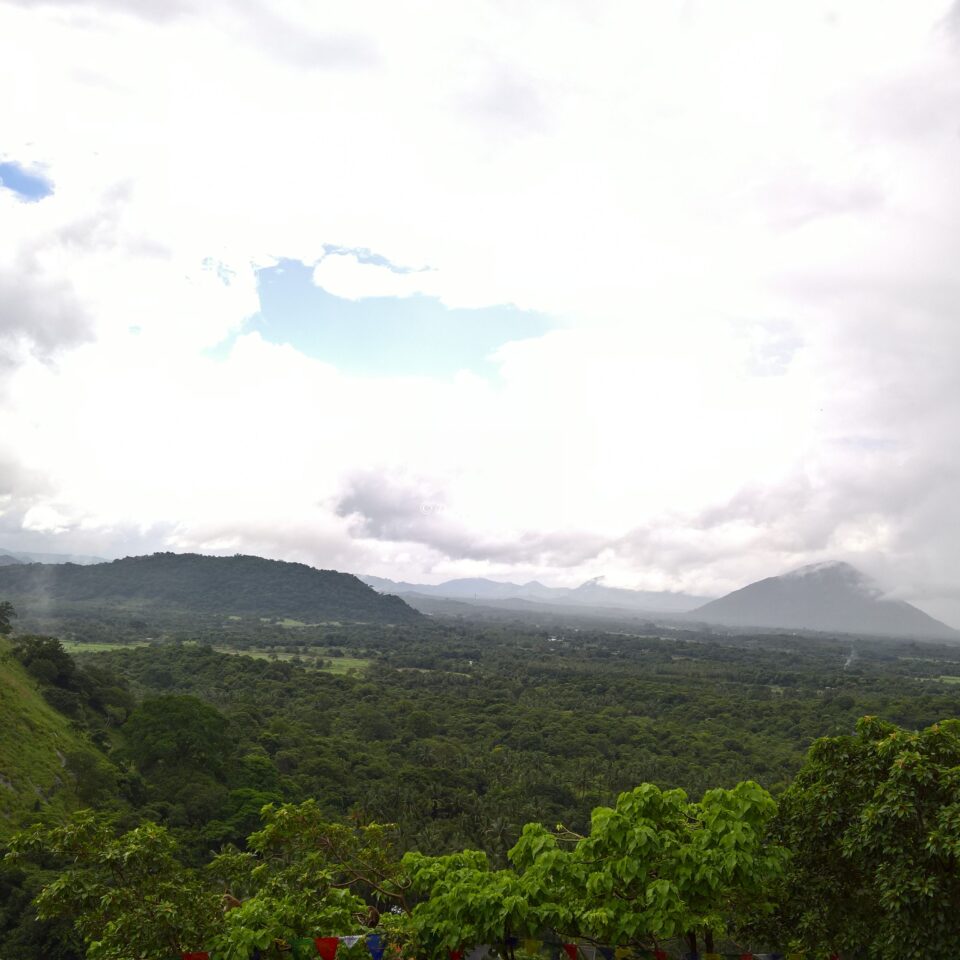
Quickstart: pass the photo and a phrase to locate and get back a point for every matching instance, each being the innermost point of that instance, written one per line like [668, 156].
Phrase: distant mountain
[191, 582]
[822, 596]
[51, 557]
[7, 561]
[593, 593]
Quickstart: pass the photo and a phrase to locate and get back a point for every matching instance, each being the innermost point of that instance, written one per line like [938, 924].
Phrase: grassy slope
[33, 739]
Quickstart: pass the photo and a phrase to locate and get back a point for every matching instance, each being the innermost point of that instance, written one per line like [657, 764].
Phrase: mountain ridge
[825, 596]
[592, 593]
[194, 582]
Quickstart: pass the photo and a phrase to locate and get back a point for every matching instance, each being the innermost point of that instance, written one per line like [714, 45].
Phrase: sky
[665, 293]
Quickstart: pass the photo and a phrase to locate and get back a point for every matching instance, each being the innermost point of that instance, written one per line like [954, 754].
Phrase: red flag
[199, 955]
[571, 950]
[456, 954]
[661, 954]
[327, 946]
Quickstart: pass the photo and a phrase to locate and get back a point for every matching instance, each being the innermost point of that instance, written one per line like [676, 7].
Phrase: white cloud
[744, 220]
[344, 275]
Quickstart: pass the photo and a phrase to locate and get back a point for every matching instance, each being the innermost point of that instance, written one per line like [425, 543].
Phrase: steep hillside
[191, 582]
[34, 742]
[822, 596]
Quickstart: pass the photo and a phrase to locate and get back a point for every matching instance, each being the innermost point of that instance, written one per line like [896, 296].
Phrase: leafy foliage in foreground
[874, 820]
[458, 734]
[127, 895]
[130, 895]
[860, 858]
[654, 868]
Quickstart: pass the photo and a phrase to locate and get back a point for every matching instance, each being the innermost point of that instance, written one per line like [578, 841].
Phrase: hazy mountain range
[593, 593]
[833, 597]
[19, 556]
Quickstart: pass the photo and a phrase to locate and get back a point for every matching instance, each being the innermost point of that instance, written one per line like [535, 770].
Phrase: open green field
[346, 664]
[81, 646]
[339, 665]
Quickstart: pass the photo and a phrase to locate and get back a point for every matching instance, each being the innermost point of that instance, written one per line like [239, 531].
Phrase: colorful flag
[375, 946]
[197, 955]
[606, 952]
[531, 945]
[455, 954]
[571, 950]
[349, 942]
[327, 946]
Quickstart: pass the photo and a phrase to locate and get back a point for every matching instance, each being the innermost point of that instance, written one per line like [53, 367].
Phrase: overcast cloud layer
[743, 219]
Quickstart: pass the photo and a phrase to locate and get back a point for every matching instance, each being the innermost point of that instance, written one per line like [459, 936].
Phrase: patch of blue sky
[383, 336]
[27, 185]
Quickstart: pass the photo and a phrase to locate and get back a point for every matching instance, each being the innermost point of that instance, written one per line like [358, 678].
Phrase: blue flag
[375, 946]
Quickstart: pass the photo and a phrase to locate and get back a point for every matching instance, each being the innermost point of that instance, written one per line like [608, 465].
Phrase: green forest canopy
[459, 736]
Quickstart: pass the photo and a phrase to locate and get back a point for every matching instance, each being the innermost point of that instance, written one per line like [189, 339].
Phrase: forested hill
[189, 581]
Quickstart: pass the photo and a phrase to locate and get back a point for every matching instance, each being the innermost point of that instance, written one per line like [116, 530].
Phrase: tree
[655, 867]
[132, 896]
[467, 902]
[47, 661]
[303, 877]
[177, 734]
[128, 896]
[7, 613]
[874, 822]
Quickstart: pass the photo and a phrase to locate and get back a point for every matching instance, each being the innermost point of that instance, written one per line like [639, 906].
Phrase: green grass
[81, 646]
[345, 664]
[336, 664]
[946, 679]
[339, 665]
[34, 739]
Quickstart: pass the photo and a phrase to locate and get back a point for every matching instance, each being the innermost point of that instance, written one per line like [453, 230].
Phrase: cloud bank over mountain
[748, 266]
